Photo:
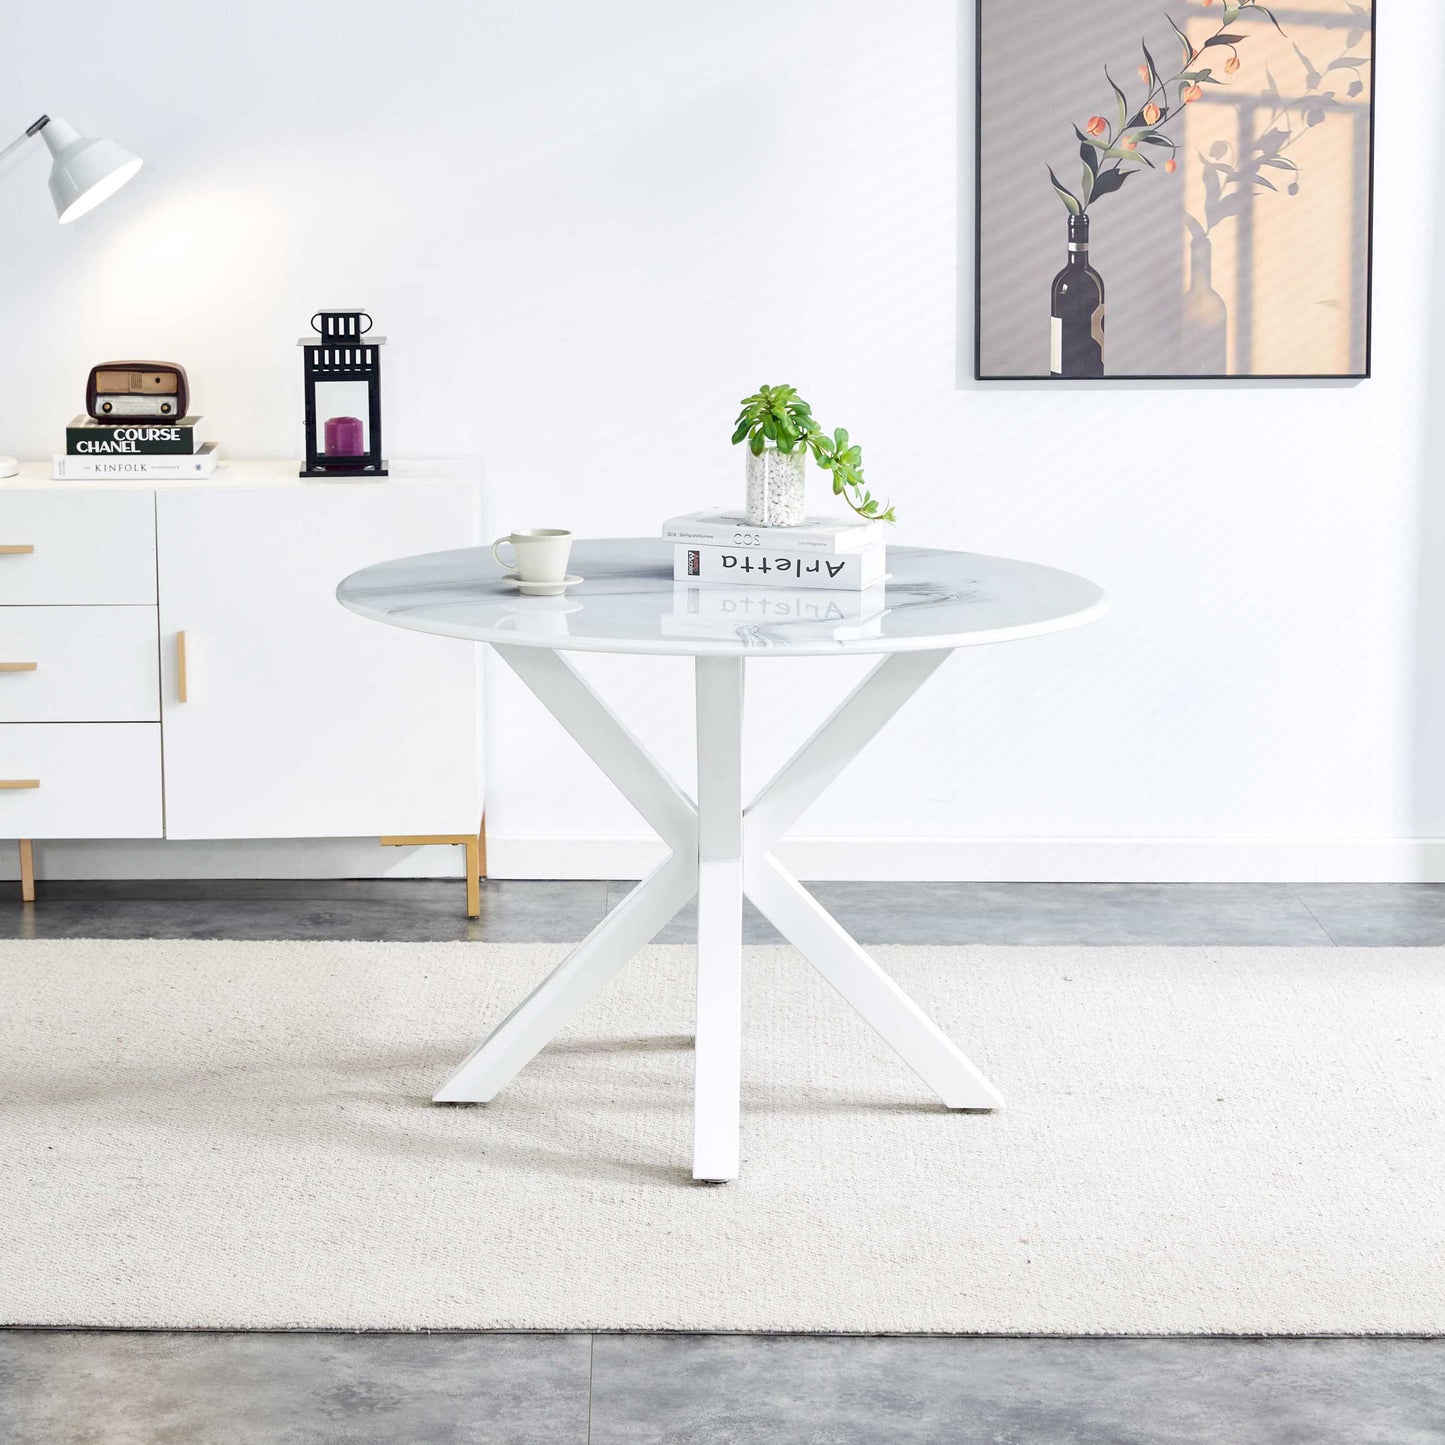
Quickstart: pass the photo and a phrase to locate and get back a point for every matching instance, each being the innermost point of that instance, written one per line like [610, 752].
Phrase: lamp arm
[20, 140]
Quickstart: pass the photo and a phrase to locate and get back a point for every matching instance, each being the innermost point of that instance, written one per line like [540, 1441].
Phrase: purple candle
[343, 437]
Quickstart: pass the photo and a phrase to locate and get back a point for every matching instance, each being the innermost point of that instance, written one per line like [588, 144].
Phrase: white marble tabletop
[628, 602]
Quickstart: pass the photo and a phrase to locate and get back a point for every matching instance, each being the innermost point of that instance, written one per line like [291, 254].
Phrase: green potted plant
[780, 430]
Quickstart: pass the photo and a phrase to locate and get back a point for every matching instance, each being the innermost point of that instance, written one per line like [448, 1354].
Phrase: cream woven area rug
[1205, 1140]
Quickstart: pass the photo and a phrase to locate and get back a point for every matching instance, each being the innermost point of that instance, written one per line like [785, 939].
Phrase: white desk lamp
[84, 170]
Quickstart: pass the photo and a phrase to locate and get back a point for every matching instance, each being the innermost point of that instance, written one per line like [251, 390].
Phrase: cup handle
[505, 566]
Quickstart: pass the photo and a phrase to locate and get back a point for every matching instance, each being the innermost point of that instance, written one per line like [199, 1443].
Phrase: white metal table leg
[577, 979]
[528, 1028]
[806, 924]
[719, 918]
[912, 1035]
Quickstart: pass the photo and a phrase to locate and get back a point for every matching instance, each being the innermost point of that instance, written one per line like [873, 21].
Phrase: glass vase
[775, 487]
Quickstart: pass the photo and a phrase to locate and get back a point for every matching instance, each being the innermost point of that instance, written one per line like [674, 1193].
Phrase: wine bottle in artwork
[1076, 325]
[1205, 329]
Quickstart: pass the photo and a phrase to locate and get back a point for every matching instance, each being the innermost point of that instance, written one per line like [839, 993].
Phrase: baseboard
[985, 860]
[1016, 860]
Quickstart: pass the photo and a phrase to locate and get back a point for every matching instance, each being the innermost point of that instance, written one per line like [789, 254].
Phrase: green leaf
[1118, 96]
[1132, 156]
[840, 438]
[756, 445]
[1231, 14]
[1223, 40]
[1183, 40]
[1157, 140]
[740, 433]
[1110, 181]
[1153, 69]
[1070, 200]
[1264, 9]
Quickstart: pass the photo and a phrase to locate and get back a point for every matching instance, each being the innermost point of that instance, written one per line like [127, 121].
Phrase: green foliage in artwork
[1112, 150]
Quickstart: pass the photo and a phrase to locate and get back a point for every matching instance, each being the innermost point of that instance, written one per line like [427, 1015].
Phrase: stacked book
[720, 547]
[134, 449]
[769, 585]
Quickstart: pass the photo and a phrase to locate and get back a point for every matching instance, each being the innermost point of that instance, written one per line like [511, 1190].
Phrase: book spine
[743, 566]
[791, 539]
[67, 468]
[126, 441]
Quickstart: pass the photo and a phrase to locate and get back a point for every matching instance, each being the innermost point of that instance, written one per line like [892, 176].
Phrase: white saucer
[542, 589]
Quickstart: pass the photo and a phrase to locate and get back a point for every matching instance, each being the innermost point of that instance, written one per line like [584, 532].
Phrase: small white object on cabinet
[193, 676]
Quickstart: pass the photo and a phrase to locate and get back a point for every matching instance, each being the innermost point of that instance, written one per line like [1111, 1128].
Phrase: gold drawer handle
[181, 681]
[19, 782]
[16, 551]
[18, 666]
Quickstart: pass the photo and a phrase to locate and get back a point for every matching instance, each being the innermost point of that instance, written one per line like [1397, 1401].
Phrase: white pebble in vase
[776, 482]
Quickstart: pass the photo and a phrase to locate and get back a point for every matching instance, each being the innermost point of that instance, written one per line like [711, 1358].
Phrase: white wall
[588, 229]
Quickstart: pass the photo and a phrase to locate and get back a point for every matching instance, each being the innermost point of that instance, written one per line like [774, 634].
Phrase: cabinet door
[297, 718]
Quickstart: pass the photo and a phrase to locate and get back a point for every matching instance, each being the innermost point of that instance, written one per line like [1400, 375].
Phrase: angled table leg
[805, 923]
[718, 1057]
[912, 1035]
[578, 978]
[522, 1035]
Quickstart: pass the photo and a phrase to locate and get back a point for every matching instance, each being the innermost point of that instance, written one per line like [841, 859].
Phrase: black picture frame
[979, 375]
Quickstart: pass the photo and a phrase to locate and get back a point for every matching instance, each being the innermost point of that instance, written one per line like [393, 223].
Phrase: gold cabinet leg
[27, 871]
[474, 877]
[476, 848]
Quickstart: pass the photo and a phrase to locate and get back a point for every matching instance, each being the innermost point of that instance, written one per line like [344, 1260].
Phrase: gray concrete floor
[102, 1387]
[524, 912]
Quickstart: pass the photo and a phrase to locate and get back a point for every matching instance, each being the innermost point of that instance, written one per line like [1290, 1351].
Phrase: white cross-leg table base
[720, 852]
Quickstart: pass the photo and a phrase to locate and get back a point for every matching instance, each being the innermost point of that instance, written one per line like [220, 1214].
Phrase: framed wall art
[1173, 188]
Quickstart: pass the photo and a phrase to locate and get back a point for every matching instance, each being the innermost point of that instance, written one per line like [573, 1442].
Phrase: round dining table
[720, 845]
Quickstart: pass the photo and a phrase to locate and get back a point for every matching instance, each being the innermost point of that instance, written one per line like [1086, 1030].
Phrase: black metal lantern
[342, 368]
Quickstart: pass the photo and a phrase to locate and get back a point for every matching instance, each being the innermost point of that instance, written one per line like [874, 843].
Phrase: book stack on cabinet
[731, 574]
[142, 450]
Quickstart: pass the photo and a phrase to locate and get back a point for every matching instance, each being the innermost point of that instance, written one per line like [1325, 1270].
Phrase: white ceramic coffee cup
[541, 553]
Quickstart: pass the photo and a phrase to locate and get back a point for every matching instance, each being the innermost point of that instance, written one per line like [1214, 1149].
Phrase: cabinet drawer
[79, 664]
[67, 547]
[96, 780]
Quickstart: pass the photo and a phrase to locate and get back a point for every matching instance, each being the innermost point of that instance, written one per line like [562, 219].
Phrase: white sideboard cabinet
[174, 663]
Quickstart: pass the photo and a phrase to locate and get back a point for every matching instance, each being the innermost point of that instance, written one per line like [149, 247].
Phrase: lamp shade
[85, 169]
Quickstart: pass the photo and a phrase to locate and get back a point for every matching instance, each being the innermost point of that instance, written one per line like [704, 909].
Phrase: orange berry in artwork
[1143, 73]
[1171, 165]
[1151, 114]
[1130, 143]
[1097, 125]
[1192, 92]
[1231, 65]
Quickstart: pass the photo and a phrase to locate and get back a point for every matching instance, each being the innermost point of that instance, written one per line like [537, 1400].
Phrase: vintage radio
[136, 391]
